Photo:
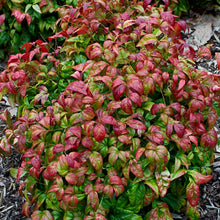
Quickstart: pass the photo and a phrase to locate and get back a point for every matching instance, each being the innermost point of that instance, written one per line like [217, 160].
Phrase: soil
[209, 204]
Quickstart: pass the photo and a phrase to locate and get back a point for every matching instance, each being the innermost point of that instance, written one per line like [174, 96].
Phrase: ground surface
[204, 30]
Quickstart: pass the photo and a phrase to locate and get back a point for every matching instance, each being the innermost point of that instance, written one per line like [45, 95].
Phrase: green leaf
[123, 214]
[13, 172]
[178, 174]
[136, 193]
[36, 8]
[41, 199]
[173, 201]
[28, 6]
[153, 185]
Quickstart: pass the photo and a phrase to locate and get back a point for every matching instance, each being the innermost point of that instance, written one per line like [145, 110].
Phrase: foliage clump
[117, 123]
[23, 21]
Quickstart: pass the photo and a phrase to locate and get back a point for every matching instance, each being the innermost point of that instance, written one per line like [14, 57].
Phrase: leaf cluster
[23, 21]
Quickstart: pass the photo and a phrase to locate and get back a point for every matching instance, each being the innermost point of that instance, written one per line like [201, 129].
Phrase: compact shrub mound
[117, 123]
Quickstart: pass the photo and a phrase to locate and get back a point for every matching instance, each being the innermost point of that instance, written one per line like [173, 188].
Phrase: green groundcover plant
[23, 21]
[117, 123]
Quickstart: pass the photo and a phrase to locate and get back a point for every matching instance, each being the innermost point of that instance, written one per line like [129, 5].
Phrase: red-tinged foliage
[25, 209]
[99, 132]
[199, 178]
[192, 192]
[217, 57]
[42, 215]
[2, 19]
[115, 119]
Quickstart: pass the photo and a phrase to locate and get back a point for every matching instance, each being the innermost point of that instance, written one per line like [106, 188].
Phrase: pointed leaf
[198, 177]
[99, 132]
[96, 160]
[163, 181]
[136, 169]
[192, 192]
[133, 123]
[147, 39]
[126, 106]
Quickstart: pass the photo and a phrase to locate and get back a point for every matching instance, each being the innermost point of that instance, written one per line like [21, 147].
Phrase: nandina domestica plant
[117, 123]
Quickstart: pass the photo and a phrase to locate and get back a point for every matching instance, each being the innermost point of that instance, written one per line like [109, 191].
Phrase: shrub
[23, 21]
[117, 123]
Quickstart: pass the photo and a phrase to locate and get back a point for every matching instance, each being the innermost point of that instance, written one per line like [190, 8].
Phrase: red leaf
[136, 169]
[156, 107]
[18, 15]
[45, 121]
[135, 98]
[77, 86]
[99, 217]
[194, 140]
[192, 192]
[50, 173]
[28, 18]
[204, 53]
[209, 139]
[76, 131]
[71, 178]
[88, 127]
[135, 84]
[197, 105]
[2, 19]
[99, 132]
[36, 162]
[88, 113]
[125, 139]
[156, 138]
[58, 148]
[179, 129]
[185, 144]
[167, 15]
[199, 178]
[136, 124]
[93, 51]
[108, 191]
[96, 160]
[115, 180]
[169, 130]
[181, 84]
[87, 142]
[118, 91]
[126, 106]
[106, 119]
[97, 68]
[158, 155]
[139, 153]
[25, 209]
[93, 199]
[27, 46]
[146, 3]
[113, 106]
